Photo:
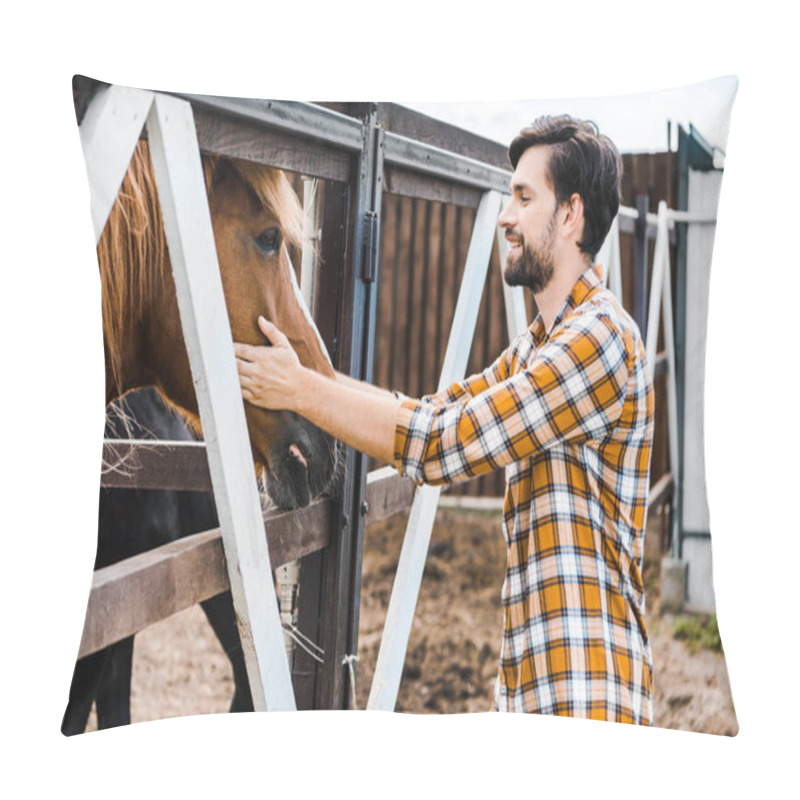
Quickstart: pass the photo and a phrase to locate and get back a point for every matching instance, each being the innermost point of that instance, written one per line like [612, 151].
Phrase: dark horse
[256, 216]
[131, 522]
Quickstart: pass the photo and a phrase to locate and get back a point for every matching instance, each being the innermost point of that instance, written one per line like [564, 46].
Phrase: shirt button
[502, 689]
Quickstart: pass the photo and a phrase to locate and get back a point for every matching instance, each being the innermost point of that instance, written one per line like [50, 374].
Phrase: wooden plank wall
[656, 175]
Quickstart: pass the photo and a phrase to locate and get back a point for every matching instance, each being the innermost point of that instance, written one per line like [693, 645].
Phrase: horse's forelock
[273, 190]
[270, 187]
[132, 252]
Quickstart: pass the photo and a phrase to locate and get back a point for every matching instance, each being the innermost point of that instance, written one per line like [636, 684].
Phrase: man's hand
[269, 376]
[358, 414]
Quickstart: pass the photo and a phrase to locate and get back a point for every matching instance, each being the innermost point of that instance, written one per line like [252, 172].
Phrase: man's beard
[533, 268]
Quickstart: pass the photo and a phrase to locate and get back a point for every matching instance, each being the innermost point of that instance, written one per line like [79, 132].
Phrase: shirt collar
[590, 280]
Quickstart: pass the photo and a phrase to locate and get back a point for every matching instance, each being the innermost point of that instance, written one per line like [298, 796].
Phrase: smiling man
[566, 410]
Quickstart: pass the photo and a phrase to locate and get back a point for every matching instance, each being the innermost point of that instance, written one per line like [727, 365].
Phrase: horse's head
[255, 216]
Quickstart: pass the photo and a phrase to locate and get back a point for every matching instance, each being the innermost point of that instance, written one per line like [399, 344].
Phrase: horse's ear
[216, 171]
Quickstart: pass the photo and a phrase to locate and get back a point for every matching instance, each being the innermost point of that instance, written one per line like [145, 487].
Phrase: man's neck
[551, 300]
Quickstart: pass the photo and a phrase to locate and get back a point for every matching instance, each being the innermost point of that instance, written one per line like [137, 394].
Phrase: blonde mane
[132, 252]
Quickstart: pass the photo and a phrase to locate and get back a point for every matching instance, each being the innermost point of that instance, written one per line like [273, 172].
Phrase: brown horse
[255, 216]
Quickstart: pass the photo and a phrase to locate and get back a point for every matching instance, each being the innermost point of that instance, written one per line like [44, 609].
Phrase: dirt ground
[180, 669]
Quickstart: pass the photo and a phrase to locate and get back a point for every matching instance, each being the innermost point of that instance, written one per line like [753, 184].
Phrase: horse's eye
[269, 240]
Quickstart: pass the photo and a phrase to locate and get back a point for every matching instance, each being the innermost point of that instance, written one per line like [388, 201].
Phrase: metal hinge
[370, 264]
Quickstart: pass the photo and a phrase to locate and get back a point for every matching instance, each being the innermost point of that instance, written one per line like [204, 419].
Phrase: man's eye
[269, 241]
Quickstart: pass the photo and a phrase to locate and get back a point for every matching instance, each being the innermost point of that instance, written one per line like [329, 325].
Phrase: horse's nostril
[294, 452]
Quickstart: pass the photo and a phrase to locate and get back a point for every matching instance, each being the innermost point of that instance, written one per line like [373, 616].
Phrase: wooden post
[311, 679]
[330, 593]
[640, 263]
[672, 387]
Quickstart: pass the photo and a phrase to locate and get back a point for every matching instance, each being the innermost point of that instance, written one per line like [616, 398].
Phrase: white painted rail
[661, 301]
[609, 258]
[109, 132]
[405, 591]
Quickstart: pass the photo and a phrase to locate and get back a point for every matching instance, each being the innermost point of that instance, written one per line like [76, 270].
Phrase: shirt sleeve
[462, 391]
[572, 390]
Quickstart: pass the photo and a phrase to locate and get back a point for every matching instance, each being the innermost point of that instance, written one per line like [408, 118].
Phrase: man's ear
[572, 226]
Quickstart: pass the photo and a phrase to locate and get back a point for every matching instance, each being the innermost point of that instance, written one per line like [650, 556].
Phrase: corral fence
[379, 172]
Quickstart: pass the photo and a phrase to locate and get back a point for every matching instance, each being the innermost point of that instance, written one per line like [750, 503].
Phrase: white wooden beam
[660, 255]
[661, 311]
[187, 222]
[109, 132]
[472, 284]
[609, 258]
[301, 299]
[405, 591]
[672, 387]
[311, 237]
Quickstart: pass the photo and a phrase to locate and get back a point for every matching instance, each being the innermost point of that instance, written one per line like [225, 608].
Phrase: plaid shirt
[570, 417]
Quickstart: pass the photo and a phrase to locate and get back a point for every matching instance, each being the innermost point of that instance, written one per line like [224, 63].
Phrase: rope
[317, 653]
[350, 661]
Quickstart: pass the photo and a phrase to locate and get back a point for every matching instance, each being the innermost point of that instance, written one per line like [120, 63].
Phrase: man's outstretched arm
[361, 386]
[361, 416]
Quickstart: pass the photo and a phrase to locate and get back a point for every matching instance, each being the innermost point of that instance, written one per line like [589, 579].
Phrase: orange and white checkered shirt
[569, 415]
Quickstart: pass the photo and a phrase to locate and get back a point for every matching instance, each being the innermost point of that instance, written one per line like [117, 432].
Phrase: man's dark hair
[582, 161]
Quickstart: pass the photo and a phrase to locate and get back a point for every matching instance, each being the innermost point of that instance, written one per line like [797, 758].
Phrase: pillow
[419, 240]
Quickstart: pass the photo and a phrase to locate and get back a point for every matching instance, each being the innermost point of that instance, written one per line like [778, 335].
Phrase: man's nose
[505, 220]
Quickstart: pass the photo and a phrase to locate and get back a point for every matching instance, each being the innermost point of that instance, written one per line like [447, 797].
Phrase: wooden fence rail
[132, 594]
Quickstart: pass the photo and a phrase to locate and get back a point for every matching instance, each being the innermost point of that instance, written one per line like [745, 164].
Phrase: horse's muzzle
[301, 465]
